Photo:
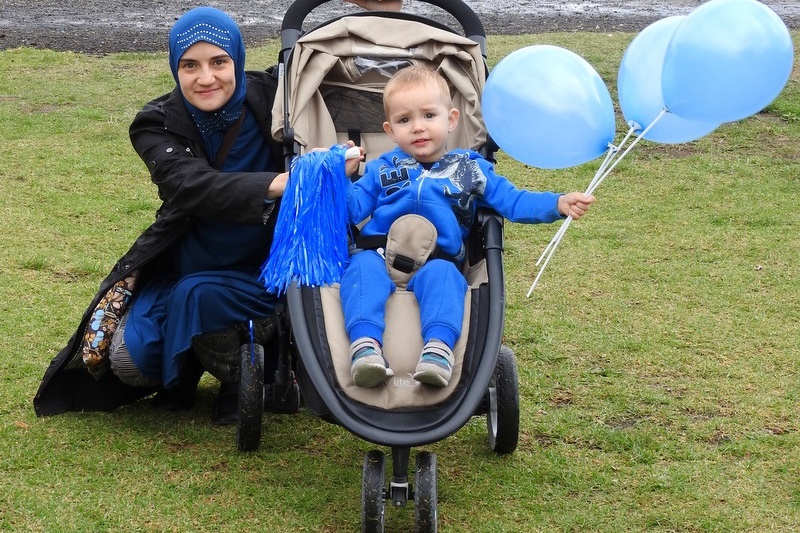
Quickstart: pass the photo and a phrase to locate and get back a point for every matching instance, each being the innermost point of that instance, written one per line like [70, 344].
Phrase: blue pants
[438, 286]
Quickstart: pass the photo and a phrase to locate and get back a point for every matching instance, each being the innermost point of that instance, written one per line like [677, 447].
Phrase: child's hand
[351, 163]
[574, 204]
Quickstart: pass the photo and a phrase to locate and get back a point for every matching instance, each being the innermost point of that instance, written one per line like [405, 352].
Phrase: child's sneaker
[436, 364]
[368, 366]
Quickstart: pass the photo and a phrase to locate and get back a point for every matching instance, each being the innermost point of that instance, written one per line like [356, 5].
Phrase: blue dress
[213, 285]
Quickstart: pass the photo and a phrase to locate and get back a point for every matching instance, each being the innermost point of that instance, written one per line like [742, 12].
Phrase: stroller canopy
[360, 53]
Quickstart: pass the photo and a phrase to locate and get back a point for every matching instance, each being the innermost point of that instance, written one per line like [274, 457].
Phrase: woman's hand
[277, 186]
[378, 5]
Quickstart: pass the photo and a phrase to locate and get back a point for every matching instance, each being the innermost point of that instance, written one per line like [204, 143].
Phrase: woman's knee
[122, 364]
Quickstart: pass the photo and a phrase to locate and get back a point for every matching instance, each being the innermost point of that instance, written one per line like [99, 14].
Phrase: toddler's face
[419, 122]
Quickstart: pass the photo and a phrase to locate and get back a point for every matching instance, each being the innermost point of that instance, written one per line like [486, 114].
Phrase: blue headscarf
[216, 27]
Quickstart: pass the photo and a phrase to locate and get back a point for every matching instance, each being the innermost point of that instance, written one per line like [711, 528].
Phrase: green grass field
[658, 357]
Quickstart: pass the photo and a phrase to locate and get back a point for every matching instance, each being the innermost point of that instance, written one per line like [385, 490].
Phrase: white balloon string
[609, 163]
[560, 233]
[547, 248]
[628, 149]
[556, 238]
[610, 155]
[539, 275]
[604, 168]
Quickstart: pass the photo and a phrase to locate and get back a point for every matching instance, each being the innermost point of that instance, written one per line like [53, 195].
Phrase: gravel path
[103, 26]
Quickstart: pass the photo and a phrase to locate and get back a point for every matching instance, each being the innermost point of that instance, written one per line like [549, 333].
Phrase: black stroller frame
[489, 382]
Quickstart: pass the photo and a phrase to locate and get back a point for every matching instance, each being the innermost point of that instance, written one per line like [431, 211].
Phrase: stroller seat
[402, 346]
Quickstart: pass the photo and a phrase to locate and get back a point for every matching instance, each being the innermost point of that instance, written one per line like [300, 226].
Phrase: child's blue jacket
[448, 194]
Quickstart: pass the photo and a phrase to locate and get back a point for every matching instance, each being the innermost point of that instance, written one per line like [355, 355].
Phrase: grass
[658, 356]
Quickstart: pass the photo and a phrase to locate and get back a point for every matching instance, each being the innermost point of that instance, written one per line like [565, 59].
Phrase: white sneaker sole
[370, 375]
[431, 376]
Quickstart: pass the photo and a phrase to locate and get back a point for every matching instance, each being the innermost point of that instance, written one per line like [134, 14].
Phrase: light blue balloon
[547, 107]
[728, 60]
[639, 87]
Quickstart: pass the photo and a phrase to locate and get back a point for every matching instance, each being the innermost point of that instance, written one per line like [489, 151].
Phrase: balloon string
[610, 156]
[549, 256]
[557, 237]
[609, 163]
[628, 149]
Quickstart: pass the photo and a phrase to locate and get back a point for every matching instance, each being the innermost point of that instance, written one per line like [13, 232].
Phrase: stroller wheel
[502, 418]
[251, 398]
[373, 505]
[425, 497]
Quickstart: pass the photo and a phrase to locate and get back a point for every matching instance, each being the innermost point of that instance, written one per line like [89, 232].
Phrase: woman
[193, 274]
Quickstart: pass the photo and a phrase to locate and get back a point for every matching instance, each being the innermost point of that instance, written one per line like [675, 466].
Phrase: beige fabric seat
[402, 347]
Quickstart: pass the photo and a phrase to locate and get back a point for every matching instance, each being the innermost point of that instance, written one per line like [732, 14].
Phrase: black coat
[166, 138]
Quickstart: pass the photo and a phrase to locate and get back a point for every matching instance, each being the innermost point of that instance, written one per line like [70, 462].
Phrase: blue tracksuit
[448, 194]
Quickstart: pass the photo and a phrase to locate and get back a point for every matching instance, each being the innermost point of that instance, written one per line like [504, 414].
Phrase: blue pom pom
[311, 233]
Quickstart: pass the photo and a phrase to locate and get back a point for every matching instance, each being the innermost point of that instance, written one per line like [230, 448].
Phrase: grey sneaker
[435, 366]
[368, 366]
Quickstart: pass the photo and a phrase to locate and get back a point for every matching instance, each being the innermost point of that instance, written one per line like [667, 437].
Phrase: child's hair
[416, 75]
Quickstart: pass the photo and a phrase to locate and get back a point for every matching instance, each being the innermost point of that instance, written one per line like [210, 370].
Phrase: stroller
[331, 91]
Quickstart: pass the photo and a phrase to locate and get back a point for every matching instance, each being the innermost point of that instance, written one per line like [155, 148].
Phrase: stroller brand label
[406, 380]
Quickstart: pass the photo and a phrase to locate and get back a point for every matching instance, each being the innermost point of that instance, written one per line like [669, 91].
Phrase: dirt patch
[104, 26]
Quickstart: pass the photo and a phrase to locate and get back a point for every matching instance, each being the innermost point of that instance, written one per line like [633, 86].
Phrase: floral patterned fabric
[103, 323]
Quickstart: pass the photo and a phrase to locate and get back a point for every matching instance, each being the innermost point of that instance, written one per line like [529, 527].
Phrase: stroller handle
[292, 25]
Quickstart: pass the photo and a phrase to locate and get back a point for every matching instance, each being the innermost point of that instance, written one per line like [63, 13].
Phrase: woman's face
[206, 75]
